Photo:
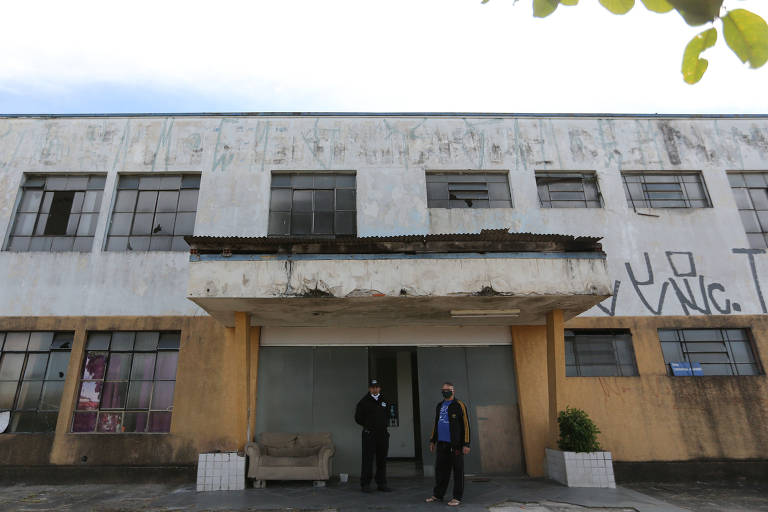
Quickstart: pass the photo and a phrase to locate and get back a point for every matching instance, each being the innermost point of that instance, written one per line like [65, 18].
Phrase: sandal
[454, 503]
[433, 499]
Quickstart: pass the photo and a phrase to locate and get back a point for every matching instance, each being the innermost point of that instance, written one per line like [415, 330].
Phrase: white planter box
[220, 472]
[576, 469]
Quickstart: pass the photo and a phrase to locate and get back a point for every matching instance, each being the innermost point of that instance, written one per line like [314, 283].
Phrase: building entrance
[316, 388]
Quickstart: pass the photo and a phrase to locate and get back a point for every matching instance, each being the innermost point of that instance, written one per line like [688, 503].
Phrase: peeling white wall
[390, 156]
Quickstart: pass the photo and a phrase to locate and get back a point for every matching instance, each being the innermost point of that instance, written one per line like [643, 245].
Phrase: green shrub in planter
[577, 432]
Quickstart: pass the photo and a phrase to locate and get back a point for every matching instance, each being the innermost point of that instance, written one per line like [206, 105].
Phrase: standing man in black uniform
[372, 413]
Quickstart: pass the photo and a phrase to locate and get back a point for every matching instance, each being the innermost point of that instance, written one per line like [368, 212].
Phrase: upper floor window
[468, 190]
[127, 382]
[153, 212]
[57, 212]
[568, 189]
[751, 192]
[307, 204]
[599, 353]
[715, 351]
[666, 190]
[33, 366]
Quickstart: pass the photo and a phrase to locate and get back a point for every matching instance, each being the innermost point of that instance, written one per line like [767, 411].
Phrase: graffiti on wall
[678, 283]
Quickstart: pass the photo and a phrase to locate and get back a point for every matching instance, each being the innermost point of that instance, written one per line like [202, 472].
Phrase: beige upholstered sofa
[290, 456]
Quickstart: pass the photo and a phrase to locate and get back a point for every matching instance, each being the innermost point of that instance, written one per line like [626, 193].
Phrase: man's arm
[465, 420]
[359, 416]
[433, 437]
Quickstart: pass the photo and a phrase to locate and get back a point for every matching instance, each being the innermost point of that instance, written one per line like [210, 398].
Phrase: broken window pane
[95, 364]
[57, 366]
[90, 396]
[58, 217]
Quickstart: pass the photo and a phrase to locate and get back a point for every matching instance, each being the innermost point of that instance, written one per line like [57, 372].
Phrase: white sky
[359, 55]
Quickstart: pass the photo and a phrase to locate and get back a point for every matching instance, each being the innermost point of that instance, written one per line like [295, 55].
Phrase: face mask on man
[446, 393]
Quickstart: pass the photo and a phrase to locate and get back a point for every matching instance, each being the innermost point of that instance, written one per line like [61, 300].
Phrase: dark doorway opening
[397, 370]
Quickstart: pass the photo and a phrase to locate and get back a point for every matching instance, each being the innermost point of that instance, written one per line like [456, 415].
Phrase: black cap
[374, 383]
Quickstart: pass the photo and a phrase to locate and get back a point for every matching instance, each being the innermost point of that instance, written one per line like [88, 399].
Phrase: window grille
[568, 190]
[33, 366]
[153, 212]
[127, 382]
[751, 193]
[665, 190]
[468, 190]
[57, 212]
[599, 353]
[319, 204]
[718, 351]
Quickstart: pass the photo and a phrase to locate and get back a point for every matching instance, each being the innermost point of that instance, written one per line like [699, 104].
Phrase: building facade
[173, 285]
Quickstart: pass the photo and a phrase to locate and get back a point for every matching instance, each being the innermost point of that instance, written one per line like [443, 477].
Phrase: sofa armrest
[254, 452]
[324, 461]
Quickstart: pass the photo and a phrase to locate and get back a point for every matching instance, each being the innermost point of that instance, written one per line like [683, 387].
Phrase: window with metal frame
[313, 204]
[153, 212]
[568, 190]
[468, 190]
[33, 366]
[127, 382]
[665, 190]
[57, 212]
[718, 351]
[599, 353]
[751, 192]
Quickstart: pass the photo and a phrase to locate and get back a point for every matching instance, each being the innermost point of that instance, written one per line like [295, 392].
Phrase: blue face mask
[446, 393]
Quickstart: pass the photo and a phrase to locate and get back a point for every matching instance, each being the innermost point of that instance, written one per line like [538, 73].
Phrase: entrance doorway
[397, 370]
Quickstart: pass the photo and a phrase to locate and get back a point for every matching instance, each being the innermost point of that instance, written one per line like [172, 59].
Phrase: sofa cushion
[278, 439]
[314, 440]
[269, 460]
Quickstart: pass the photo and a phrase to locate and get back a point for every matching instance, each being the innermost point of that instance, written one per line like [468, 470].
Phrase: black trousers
[375, 446]
[448, 460]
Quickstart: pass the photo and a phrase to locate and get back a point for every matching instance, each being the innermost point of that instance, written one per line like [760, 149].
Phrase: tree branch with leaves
[745, 32]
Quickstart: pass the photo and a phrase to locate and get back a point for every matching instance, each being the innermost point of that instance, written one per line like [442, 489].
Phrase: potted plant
[580, 461]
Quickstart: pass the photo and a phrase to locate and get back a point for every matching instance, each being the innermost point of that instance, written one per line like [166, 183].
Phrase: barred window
[717, 351]
[127, 382]
[306, 204]
[468, 190]
[33, 366]
[599, 353]
[154, 212]
[751, 192]
[57, 212]
[568, 190]
[666, 190]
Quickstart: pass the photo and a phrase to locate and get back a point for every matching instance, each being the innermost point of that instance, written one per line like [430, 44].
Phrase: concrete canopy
[491, 278]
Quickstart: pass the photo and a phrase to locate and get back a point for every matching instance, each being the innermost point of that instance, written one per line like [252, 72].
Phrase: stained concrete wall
[651, 417]
[651, 259]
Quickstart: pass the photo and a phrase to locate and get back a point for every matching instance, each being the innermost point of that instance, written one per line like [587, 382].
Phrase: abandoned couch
[289, 456]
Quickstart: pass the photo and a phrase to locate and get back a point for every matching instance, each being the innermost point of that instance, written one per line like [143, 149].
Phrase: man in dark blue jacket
[450, 437]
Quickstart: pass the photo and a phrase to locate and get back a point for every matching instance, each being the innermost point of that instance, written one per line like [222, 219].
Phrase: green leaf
[618, 6]
[747, 35]
[697, 12]
[693, 66]
[543, 8]
[657, 5]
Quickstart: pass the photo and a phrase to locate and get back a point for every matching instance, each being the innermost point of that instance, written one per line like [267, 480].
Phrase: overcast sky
[359, 55]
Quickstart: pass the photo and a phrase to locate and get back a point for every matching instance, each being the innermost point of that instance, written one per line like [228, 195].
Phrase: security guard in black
[372, 413]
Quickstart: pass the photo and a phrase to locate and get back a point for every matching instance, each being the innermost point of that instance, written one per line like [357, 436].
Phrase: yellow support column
[243, 342]
[555, 370]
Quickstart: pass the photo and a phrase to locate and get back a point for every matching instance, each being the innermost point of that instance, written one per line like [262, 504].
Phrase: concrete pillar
[555, 370]
[69, 396]
[247, 339]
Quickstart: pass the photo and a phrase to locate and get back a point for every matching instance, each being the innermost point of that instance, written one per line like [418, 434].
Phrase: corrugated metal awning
[488, 240]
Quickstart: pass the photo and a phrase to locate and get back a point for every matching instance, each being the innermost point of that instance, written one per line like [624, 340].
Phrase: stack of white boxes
[220, 472]
[581, 469]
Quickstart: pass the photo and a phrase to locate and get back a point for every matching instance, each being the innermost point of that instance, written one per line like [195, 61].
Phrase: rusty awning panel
[487, 241]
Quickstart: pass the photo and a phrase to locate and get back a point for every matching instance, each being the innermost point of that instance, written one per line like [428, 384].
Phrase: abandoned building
[178, 284]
